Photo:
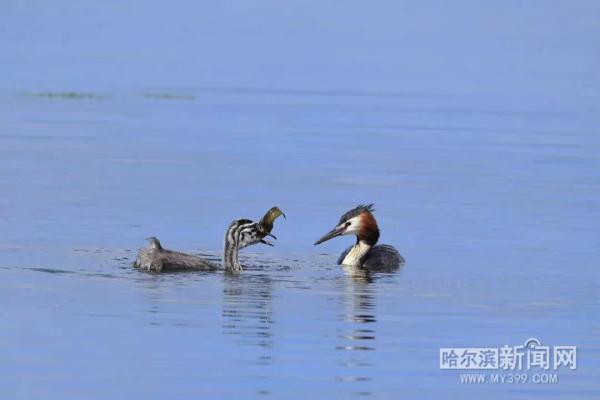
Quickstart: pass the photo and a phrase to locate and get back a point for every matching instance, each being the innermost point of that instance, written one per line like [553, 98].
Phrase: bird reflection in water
[247, 310]
[247, 319]
[360, 339]
[359, 305]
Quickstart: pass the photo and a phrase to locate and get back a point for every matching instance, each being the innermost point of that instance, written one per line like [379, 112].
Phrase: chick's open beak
[264, 241]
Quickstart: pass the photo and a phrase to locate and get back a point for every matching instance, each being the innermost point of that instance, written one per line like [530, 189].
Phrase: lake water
[473, 127]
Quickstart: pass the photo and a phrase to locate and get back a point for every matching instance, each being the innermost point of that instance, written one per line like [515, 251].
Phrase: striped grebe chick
[241, 233]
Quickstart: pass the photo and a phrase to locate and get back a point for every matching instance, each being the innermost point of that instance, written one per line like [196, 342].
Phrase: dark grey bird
[241, 233]
[366, 253]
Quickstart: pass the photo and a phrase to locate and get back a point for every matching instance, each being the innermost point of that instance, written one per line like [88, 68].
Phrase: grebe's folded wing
[178, 261]
[382, 257]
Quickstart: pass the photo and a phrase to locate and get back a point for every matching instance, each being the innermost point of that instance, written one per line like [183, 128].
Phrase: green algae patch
[168, 96]
[68, 95]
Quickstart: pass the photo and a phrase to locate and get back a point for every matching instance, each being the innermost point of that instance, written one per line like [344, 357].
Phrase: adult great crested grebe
[365, 253]
[241, 233]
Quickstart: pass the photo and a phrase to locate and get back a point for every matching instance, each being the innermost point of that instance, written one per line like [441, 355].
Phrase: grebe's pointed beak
[337, 231]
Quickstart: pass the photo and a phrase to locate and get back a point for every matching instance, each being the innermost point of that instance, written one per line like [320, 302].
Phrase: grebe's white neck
[241, 233]
[357, 253]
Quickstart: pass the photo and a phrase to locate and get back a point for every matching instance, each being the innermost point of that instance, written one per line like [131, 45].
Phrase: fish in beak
[266, 223]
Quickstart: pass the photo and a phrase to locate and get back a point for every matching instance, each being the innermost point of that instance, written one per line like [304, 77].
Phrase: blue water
[473, 127]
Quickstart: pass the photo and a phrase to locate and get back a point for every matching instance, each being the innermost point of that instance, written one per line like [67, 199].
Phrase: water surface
[473, 129]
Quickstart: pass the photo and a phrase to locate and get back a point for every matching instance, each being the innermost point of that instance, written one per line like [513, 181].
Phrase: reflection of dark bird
[365, 253]
[241, 233]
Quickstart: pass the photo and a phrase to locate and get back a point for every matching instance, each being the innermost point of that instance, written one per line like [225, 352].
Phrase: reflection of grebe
[241, 233]
[365, 253]
[359, 288]
[359, 309]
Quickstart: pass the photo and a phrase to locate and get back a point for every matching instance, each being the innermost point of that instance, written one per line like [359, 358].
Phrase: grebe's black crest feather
[361, 208]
